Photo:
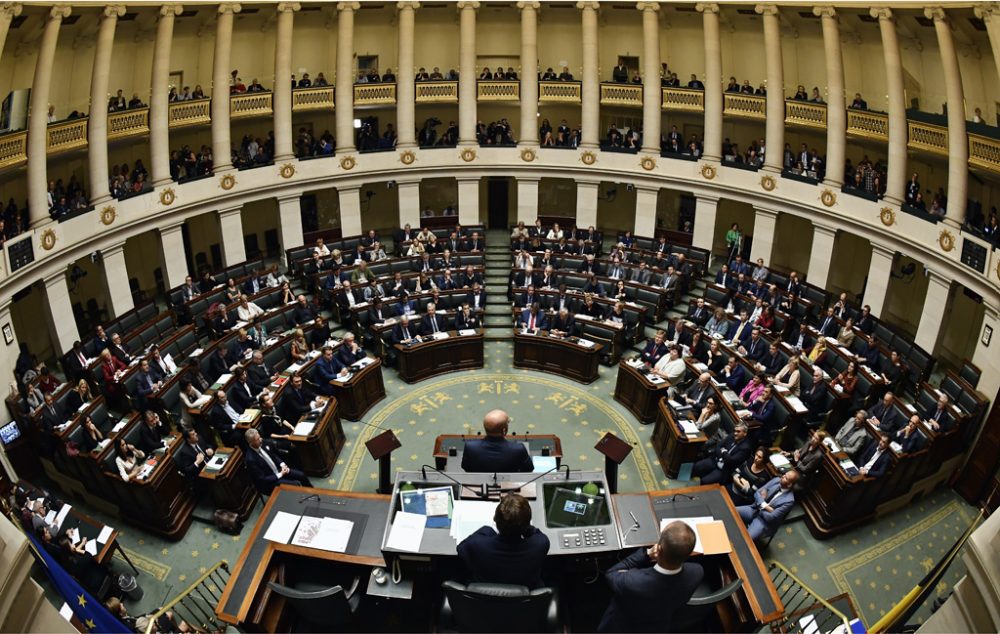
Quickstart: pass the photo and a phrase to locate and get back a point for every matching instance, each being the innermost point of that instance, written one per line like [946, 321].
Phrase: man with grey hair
[350, 351]
[266, 468]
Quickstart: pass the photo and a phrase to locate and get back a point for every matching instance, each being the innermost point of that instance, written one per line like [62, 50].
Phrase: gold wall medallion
[998, 270]
[287, 170]
[108, 215]
[468, 155]
[348, 162]
[888, 216]
[708, 171]
[828, 198]
[946, 240]
[768, 183]
[647, 163]
[407, 157]
[588, 158]
[48, 239]
[167, 196]
[527, 155]
[227, 182]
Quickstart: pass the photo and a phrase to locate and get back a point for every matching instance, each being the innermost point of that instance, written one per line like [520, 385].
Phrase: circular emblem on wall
[888, 216]
[588, 158]
[108, 215]
[828, 198]
[227, 182]
[768, 183]
[407, 157]
[468, 155]
[48, 239]
[647, 163]
[167, 196]
[708, 171]
[348, 162]
[287, 170]
[946, 240]
[998, 270]
[527, 155]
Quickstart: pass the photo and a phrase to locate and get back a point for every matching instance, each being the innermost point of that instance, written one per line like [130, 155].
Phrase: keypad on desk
[584, 538]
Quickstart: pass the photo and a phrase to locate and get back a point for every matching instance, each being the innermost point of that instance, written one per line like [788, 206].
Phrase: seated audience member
[749, 477]
[671, 367]
[513, 553]
[884, 416]
[853, 434]
[807, 458]
[193, 454]
[655, 349]
[652, 584]
[494, 453]
[727, 456]
[771, 503]
[937, 416]
[733, 374]
[910, 438]
[874, 461]
[266, 469]
[847, 380]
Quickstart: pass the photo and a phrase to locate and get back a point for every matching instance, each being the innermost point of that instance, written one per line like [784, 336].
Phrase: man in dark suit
[193, 454]
[755, 349]
[874, 460]
[698, 314]
[476, 297]
[405, 331]
[828, 326]
[589, 266]
[465, 319]
[513, 554]
[654, 349]
[259, 375]
[533, 318]
[50, 416]
[527, 298]
[649, 586]
[119, 350]
[728, 455]
[76, 363]
[253, 285]
[469, 277]
[814, 399]
[303, 312]
[241, 394]
[620, 73]
[937, 416]
[328, 368]
[525, 278]
[772, 361]
[320, 333]
[884, 416]
[217, 364]
[266, 469]
[296, 400]
[563, 324]
[771, 503]
[866, 323]
[350, 351]
[733, 375]
[223, 418]
[432, 322]
[494, 453]
[724, 277]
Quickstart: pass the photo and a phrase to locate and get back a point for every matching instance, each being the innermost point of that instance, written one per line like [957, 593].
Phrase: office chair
[316, 607]
[493, 607]
[701, 607]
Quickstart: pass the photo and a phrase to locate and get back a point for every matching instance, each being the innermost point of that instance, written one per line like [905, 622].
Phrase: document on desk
[303, 429]
[63, 512]
[323, 533]
[541, 464]
[407, 532]
[282, 527]
[692, 523]
[91, 548]
[105, 535]
[469, 516]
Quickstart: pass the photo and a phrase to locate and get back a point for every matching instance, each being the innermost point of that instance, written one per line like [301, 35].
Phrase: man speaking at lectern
[494, 453]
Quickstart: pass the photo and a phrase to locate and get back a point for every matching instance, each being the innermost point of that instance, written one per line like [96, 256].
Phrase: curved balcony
[744, 106]
[66, 135]
[13, 149]
[805, 114]
[683, 99]
[621, 95]
[494, 91]
[436, 92]
[307, 99]
[374, 94]
[868, 125]
[560, 92]
[927, 137]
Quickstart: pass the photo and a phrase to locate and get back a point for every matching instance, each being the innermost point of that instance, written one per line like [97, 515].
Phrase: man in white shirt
[247, 310]
[320, 248]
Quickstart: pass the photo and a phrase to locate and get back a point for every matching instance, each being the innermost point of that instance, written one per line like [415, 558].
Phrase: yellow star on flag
[82, 601]
[90, 624]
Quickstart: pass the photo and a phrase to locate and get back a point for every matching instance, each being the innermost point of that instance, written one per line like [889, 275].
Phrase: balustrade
[185, 113]
[251, 104]
[304, 99]
[621, 95]
[374, 94]
[806, 114]
[870, 125]
[66, 135]
[128, 123]
[684, 99]
[927, 137]
[559, 91]
[498, 91]
[437, 92]
[744, 106]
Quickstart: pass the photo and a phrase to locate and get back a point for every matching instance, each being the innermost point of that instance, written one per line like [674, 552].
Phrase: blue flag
[94, 616]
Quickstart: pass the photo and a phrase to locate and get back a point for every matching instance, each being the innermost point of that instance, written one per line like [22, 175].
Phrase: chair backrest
[479, 607]
[327, 606]
[693, 616]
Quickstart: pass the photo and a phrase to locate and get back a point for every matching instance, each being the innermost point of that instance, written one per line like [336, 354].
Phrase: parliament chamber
[500, 316]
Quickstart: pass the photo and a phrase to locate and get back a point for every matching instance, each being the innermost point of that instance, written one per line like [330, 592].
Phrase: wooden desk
[432, 357]
[357, 395]
[319, 450]
[637, 393]
[674, 447]
[248, 580]
[559, 356]
[448, 448]
[230, 486]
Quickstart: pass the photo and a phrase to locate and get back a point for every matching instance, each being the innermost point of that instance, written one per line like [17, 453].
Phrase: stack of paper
[440, 335]
[105, 535]
[710, 534]
[689, 428]
[779, 461]
[323, 533]
[465, 332]
[303, 429]
[543, 463]
[91, 548]
[249, 415]
[281, 527]
[586, 343]
[63, 512]
[407, 531]
[469, 516]
[436, 504]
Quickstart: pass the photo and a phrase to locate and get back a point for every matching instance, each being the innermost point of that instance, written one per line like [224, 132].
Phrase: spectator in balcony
[185, 94]
[859, 103]
[198, 93]
[977, 115]
[422, 75]
[636, 78]
[452, 75]
[695, 83]
[116, 103]
[373, 76]
[135, 102]
[238, 87]
[305, 82]
[320, 80]
[800, 94]
[937, 207]
[362, 77]
[912, 189]
[732, 86]
[255, 86]
[436, 74]
[510, 75]
[761, 90]
[486, 75]
[545, 134]
[614, 136]
[565, 75]
[388, 77]
[673, 82]
[633, 138]
[172, 94]
[746, 88]
[548, 75]
[816, 98]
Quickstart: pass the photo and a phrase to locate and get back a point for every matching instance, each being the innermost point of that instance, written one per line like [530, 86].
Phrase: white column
[935, 307]
[705, 212]
[289, 224]
[116, 279]
[836, 113]
[62, 325]
[895, 178]
[989, 13]
[529, 73]
[409, 203]
[350, 210]
[175, 262]
[231, 231]
[97, 125]
[590, 104]
[587, 195]
[282, 96]
[8, 11]
[985, 357]
[221, 146]
[38, 204]
[645, 210]
[8, 353]
[713, 85]
[406, 134]
[652, 94]
[958, 141]
[159, 107]
[775, 126]
[468, 201]
[467, 90]
[879, 273]
[764, 224]
[821, 254]
[344, 87]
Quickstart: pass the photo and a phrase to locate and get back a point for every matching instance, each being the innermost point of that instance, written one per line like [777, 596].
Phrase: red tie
[531, 323]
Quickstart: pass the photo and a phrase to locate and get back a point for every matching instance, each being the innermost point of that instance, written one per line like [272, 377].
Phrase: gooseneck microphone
[481, 493]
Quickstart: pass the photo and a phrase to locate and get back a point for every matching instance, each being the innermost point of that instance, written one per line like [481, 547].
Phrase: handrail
[984, 152]
[436, 92]
[251, 104]
[736, 104]
[867, 124]
[13, 149]
[319, 98]
[66, 135]
[794, 615]
[374, 94]
[128, 123]
[927, 137]
[560, 91]
[616, 94]
[686, 99]
[805, 113]
[202, 616]
[190, 112]
[498, 90]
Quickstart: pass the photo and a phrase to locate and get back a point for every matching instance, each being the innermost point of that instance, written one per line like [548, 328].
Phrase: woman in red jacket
[113, 389]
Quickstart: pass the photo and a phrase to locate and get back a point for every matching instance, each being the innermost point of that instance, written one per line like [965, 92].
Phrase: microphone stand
[481, 493]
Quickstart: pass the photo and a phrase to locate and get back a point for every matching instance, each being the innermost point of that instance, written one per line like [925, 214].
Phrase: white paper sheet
[692, 522]
[66, 611]
[323, 533]
[63, 512]
[468, 516]
[74, 536]
[105, 535]
[282, 527]
[50, 517]
[303, 429]
[91, 548]
[407, 531]
[543, 463]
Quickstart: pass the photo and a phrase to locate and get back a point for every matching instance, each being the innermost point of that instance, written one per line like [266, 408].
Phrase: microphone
[311, 496]
[540, 476]
[373, 425]
[674, 497]
[481, 493]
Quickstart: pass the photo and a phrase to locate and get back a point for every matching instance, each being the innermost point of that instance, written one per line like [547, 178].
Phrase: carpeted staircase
[497, 323]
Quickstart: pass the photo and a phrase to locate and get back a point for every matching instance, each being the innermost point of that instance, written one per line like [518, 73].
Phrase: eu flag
[94, 616]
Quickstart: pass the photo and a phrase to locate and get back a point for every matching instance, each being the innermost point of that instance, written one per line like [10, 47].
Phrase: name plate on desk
[217, 462]
[465, 332]
[586, 343]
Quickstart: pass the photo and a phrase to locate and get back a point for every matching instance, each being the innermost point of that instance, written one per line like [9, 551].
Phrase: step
[497, 309]
[498, 335]
[497, 321]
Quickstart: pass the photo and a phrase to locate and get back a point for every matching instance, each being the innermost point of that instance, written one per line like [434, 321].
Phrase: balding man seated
[494, 453]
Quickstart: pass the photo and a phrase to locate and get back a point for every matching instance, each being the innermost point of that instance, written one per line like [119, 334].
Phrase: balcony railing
[984, 152]
[437, 92]
[374, 94]
[304, 99]
[498, 90]
[251, 104]
[185, 113]
[621, 95]
[685, 99]
[744, 106]
[66, 135]
[13, 149]
[927, 137]
[870, 125]
[128, 123]
[559, 92]
[804, 113]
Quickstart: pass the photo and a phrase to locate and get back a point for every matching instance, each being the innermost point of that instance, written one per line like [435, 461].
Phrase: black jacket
[496, 454]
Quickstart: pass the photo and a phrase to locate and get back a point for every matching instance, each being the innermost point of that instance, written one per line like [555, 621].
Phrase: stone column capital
[230, 7]
[882, 13]
[766, 9]
[588, 4]
[707, 7]
[348, 6]
[529, 4]
[288, 7]
[10, 10]
[467, 4]
[60, 11]
[935, 13]
[647, 6]
[987, 11]
[408, 4]
[114, 11]
[173, 10]
[826, 11]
